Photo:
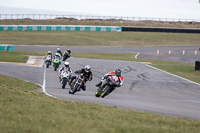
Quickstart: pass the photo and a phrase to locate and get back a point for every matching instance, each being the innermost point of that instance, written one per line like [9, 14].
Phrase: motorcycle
[66, 56]
[76, 84]
[107, 87]
[64, 78]
[56, 61]
[48, 61]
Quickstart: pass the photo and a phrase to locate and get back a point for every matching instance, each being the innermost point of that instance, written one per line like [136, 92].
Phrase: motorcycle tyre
[64, 58]
[98, 93]
[75, 88]
[105, 91]
[56, 66]
[47, 64]
[64, 81]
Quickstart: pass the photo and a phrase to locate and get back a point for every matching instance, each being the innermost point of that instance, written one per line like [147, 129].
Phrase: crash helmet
[68, 50]
[117, 72]
[49, 52]
[58, 49]
[66, 64]
[87, 68]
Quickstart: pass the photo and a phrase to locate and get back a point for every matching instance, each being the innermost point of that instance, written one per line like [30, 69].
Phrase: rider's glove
[118, 85]
[76, 72]
[105, 77]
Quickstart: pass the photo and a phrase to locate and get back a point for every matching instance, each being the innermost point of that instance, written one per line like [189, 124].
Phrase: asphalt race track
[145, 52]
[145, 88]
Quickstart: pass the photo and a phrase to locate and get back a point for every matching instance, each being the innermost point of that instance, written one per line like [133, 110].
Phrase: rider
[86, 71]
[49, 54]
[65, 67]
[58, 51]
[67, 53]
[116, 73]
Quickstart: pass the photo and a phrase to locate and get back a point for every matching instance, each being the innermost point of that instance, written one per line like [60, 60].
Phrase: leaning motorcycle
[66, 56]
[56, 62]
[107, 87]
[48, 61]
[76, 84]
[64, 78]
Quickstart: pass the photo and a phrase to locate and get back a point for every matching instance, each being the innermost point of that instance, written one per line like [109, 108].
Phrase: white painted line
[137, 55]
[173, 75]
[44, 84]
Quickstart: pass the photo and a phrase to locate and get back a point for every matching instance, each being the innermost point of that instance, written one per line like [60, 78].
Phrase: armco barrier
[172, 30]
[59, 28]
[6, 47]
[2, 47]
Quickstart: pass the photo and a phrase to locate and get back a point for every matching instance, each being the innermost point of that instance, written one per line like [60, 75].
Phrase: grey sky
[189, 9]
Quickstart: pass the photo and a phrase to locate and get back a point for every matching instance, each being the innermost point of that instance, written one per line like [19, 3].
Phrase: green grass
[185, 71]
[24, 110]
[80, 38]
[18, 56]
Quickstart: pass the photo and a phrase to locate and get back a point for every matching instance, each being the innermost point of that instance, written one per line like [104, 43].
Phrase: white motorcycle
[65, 77]
[48, 61]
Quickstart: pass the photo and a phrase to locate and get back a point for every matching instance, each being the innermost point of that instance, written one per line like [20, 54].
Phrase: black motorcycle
[66, 56]
[76, 84]
[107, 87]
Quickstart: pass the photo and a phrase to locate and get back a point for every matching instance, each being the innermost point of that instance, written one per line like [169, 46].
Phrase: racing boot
[59, 78]
[70, 82]
[99, 84]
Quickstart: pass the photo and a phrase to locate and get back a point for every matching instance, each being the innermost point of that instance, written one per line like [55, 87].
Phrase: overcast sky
[189, 9]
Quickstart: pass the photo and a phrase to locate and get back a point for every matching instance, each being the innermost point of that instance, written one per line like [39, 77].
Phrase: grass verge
[79, 38]
[25, 110]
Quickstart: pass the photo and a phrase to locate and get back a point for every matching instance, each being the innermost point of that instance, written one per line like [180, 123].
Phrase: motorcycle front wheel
[64, 81]
[98, 93]
[47, 64]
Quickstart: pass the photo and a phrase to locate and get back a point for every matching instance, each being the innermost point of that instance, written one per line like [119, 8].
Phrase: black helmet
[117, 72]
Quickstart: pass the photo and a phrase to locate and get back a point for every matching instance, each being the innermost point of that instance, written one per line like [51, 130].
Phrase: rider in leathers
[87, 74]
[58, 51]
[65, 67]
[49, 54]
[116, 73]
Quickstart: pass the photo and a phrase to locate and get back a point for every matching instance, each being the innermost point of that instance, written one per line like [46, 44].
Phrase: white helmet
[87, 68]
[49, 52]
[58, 49]
[66, 64]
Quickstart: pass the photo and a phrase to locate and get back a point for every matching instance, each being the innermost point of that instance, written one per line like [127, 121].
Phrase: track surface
[145, 88]
[146, 52]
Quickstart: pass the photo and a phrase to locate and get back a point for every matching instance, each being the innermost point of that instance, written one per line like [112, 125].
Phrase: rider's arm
[90, 77]
[70, 70]
[61, 68]
[76, 72]
[121, 81]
